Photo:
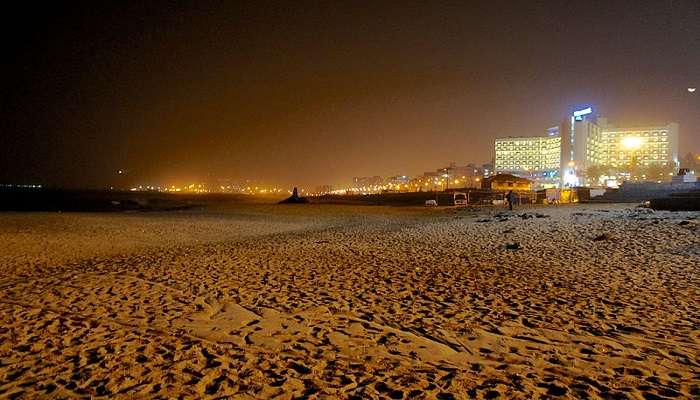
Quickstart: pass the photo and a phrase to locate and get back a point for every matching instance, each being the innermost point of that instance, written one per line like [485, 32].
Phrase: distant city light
[203, 188]
[691, 89]
[24, 186]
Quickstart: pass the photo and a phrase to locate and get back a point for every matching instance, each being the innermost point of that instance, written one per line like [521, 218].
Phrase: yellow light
[632, 142]
[571, 163]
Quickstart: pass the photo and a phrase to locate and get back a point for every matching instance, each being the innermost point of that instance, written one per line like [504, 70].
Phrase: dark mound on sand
[294, 199]
[686, 201]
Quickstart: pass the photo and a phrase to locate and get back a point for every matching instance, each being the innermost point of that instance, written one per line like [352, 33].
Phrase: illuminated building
[487, 170]
[599, 151]
[643, 146]
[324, 189]
[398, 180]
[579, 134]
[454, 171]
[431, 180]
[452, 176]
[587, 150]
[368, 180]
[538, 157]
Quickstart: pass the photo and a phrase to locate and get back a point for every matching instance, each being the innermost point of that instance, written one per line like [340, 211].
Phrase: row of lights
[199, 188]
[396, 186]
[23, 186]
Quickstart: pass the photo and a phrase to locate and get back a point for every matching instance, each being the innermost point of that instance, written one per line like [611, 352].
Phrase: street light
[570, 179]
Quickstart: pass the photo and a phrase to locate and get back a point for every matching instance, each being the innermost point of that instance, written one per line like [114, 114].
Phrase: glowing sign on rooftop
[578, 114]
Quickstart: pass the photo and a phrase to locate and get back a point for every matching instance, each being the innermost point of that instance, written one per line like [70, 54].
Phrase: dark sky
[302, 93]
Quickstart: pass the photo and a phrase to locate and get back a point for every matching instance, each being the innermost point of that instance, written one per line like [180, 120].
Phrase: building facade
[537, 157]
[368, 180]
[585, 150]
[643, 146]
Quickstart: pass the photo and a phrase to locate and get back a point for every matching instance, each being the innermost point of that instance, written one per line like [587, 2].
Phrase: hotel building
[642, 146]
[537, 157]
[564, 156]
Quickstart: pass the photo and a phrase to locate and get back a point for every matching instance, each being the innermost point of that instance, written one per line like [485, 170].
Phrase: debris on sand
[294, 199]
[513, 246]
[688, 223]
[604, 236]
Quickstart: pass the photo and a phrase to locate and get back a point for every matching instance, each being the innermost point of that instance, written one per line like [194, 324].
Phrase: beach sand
[322, 301]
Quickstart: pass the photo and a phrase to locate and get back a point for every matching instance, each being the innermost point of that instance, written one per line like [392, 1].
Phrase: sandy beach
[322, 301]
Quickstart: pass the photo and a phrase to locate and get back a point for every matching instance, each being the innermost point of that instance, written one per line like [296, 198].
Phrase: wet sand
[322, 301]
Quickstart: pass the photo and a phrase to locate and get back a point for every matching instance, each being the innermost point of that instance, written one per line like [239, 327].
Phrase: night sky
[302, 93]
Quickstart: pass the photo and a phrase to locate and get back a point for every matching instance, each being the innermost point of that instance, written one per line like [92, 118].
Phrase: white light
[691, 89]
[632, 142]
[570, 178]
